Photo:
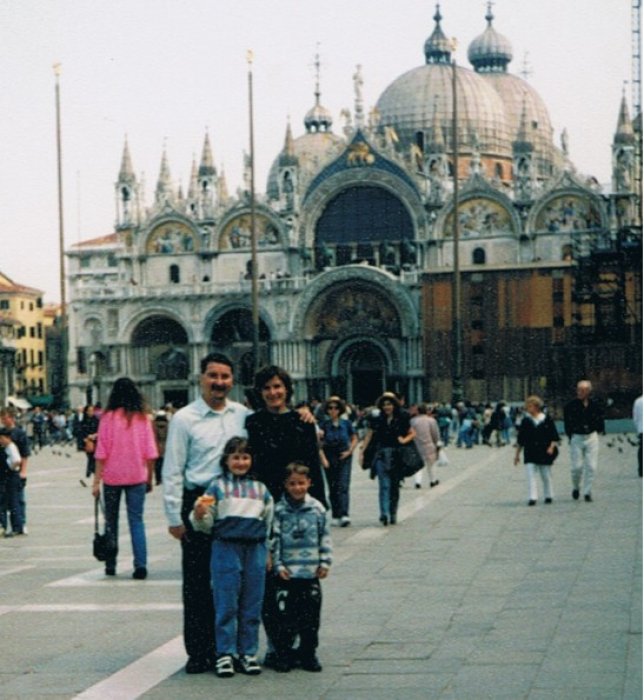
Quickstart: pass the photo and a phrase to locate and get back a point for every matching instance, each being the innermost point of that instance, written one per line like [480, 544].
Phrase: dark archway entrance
[363, 369]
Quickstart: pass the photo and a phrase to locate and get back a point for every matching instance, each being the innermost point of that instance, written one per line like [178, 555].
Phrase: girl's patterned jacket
[242, 511]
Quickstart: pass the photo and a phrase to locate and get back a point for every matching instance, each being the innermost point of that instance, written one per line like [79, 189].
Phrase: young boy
[301, 557]
[10, 484]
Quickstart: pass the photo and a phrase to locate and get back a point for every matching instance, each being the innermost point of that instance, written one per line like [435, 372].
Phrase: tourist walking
[583, 421]
[339, 440]
[537, 437]
[125, 454]
[389, 429]
[89, 435]
[427, 439]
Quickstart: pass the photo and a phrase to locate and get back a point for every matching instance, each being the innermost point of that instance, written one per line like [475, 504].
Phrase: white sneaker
[345, 520]
[337, 522]
[224, 666]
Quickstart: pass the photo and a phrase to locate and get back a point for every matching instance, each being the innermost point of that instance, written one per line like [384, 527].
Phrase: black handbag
[100, 547]
[550, 459]
[410, 460]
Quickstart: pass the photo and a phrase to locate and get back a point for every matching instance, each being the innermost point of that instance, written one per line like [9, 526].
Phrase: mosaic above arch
[237, 232]
[170, 238]
[568, 213]
[344, 310]
[480, 216]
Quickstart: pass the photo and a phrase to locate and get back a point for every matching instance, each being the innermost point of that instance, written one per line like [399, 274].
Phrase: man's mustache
[218, 387]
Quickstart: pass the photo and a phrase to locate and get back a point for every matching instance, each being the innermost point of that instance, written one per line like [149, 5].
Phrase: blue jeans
[388, 483]
[465, 434]
[134, 501]
[238, 572]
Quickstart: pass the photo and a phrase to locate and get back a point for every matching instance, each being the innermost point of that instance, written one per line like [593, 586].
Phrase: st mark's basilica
[355, 251]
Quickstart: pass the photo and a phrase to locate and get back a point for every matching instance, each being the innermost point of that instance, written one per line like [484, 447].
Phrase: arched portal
[363, 367]
[160, 350]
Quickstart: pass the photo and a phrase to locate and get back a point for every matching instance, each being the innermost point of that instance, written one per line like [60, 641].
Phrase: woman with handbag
[538, 438]
[388, 431]
[125, 455]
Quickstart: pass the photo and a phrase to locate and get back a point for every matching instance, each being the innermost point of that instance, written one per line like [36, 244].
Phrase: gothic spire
[207, 165]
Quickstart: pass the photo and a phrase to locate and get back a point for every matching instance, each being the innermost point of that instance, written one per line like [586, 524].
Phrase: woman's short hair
[535, 401]
[265, 374]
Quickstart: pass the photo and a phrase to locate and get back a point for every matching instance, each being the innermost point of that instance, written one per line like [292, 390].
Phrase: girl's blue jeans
[238, 578]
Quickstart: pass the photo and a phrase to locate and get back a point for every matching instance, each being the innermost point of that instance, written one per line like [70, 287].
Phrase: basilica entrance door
[365, 369]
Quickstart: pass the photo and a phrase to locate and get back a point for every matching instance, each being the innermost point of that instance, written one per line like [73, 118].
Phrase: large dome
[408, 105]
[423, 96]
[516, 94]
[490, 53]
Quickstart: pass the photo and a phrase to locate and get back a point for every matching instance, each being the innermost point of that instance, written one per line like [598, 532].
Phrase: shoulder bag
[410, 459]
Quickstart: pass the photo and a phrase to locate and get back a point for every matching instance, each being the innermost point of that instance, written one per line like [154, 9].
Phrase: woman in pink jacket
[125, 454]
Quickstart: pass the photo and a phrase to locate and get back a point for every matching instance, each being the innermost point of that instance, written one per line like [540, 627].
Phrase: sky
[164, 72]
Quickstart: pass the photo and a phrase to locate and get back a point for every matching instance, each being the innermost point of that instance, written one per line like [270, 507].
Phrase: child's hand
[284, 575]
[322, 572]
[269, 562]
[202, 506]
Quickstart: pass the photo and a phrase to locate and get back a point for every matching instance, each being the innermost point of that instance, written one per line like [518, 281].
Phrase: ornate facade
[349, 225]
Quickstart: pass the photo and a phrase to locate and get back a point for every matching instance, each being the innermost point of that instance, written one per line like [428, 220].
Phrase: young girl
[238, 511]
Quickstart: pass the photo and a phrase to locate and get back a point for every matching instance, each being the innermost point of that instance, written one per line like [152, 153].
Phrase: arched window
[175, 274]
[498, 171]
[478, 256]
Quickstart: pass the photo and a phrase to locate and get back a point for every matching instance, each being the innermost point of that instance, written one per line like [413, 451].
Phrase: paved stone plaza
[472, 595]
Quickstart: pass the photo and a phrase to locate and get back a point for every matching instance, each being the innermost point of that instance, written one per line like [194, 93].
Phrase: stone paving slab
[472, 595]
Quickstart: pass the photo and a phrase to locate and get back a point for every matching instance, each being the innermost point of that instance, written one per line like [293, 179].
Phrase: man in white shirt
[196, 437]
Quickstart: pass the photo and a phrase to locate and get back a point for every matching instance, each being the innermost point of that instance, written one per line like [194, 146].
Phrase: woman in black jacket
[538, 438]
[277, 435]
[387, 431]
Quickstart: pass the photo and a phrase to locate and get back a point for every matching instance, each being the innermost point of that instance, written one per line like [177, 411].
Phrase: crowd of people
[250, 490]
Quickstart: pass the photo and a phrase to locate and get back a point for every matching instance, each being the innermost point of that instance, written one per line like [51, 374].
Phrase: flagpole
[253, 227]
[457, 332]
[62, 393]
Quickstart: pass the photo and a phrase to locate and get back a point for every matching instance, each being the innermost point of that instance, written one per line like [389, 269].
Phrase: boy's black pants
[292, 608]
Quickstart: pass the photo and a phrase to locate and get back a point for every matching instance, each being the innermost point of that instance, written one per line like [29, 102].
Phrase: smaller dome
[490, 52]
[318, 118]
[438, 48]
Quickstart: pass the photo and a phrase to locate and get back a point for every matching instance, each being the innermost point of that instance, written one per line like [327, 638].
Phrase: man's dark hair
[217, 357]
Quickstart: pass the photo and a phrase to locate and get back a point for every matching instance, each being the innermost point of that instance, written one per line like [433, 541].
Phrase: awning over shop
[16, 401]
[44, 400]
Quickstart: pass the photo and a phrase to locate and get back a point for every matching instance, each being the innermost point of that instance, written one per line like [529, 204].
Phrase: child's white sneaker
[224, 666]
[249, 665]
